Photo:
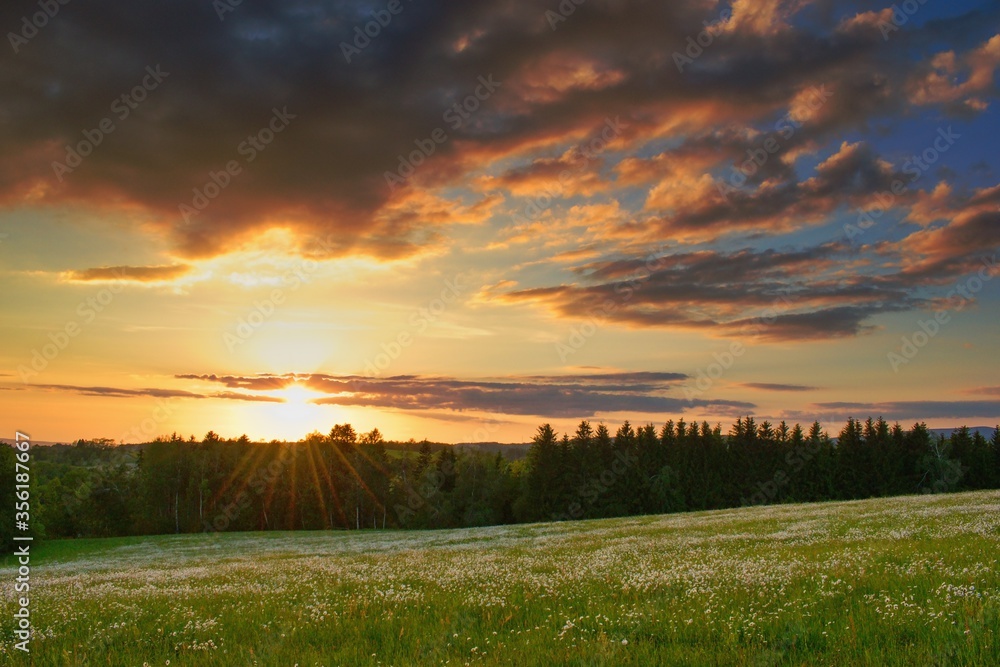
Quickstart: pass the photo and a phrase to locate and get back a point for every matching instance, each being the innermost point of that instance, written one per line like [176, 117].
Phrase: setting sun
[306, 303]
[298, 396]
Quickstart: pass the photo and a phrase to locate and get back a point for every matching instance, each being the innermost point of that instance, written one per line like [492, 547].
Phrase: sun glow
[291, 419]
[281, 345]
[297, 396]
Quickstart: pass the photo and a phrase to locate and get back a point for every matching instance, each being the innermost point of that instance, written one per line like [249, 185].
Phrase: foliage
[346, 480]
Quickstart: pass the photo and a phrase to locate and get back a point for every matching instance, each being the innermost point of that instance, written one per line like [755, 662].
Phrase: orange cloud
[762, 18]
[950, 79]
[138, 274]
[972, 233]
[559, 74]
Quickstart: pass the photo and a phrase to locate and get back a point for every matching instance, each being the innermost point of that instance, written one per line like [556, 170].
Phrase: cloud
[543, 401]
[256, 382]
[769, 386]
[545, 178]
[457, 417]
[576, 395]
[254, 398]
[958, 82]
[961, 246]
[117, 392]
[139, 274]
[637, 376]
[557, 75]
[705, 208]
[322, 177]
[562, 229]
[984, 391]
[907, 410]
[838, 322]
[819, 87]
[769, 295]
[762, 18]
[868, 21]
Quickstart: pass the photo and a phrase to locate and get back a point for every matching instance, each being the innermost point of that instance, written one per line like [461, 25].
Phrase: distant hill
[985, 431]
[34, 443]
[510, 451]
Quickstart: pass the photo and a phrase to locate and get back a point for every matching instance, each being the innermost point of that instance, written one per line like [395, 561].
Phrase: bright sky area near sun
[580, 244]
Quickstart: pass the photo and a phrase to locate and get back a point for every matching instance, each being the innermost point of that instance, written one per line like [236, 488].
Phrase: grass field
[902, 581]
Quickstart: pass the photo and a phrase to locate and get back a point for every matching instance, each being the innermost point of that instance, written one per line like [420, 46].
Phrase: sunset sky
[254, 218]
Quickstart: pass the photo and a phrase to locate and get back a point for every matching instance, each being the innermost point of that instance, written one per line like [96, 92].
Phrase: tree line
[350, 481]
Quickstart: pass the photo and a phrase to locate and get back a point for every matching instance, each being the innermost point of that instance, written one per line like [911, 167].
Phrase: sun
[287, 413]
[296, 414]
[298, 395]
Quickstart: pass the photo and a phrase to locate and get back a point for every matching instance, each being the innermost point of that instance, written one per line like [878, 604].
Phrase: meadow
[897, 581]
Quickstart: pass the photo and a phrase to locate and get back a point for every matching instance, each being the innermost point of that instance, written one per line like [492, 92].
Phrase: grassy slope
[889, 582]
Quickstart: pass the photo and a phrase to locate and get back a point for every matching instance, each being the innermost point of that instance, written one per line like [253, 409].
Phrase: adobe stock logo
[901, 15]
[263, 310]
[363, 36]
[223, 7]
[420, 320]
[31, 25]
[122, 107]
[958, 298]
[696, 44]
[455, 116]
[914, 167]
[249, 149]
[58, 341]
[566, 9]
[757, 156]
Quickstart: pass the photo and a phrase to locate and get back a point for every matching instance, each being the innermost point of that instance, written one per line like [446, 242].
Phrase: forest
[350, 481]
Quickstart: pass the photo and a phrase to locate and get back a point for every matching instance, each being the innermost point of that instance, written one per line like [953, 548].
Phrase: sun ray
[317, 488]
[250, 460]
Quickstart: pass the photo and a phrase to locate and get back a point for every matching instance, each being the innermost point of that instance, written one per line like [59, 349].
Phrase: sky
[457, 221]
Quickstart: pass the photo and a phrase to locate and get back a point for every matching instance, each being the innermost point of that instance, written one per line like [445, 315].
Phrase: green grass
[898, 581]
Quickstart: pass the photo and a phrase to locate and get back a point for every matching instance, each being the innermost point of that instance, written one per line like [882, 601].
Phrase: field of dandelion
[898, 581]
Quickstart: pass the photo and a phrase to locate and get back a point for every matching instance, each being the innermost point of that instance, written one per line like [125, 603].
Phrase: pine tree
[8, 500]
[423, 459]
[995, 442]
[543, 474]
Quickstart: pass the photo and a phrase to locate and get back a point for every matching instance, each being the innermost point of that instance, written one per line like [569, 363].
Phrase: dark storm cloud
[802, 75]
[224, 79]
[345, 123]
[324, 170]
